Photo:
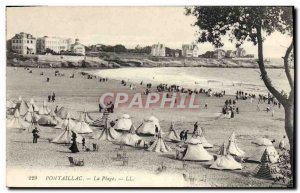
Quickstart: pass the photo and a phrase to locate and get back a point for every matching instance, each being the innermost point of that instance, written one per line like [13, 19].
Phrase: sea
[228, 79]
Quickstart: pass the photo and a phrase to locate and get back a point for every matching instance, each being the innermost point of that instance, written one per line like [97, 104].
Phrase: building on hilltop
[158, 50]
[55, 44]
[77, 48]
[189, 50]
[23, 43]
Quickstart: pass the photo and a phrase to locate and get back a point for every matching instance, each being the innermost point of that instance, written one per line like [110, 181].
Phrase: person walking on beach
[74, 148]
[83, 143]
[35, 132]
[53, 97]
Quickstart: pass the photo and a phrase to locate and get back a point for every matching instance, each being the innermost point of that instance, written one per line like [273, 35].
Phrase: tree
[248, 24]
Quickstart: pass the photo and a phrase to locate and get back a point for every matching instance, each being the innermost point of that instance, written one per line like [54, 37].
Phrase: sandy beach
[81, 94]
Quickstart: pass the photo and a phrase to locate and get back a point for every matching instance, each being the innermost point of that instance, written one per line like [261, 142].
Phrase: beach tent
[263, 142]
[33, 105]
[66, 136]
[21, 106]
[47, 120]
[149, 125]
[159, 145]
[272, 154]
[233, 148]
[82, 127]
[63, 112]
[31, 116]
[195, 151]
[107, 134]
[16, 122]
[86, 117]
[10, 104]
[100, 122]
[44, 110]
[67, 121]
[199, 133]
[55, 117]
[225, 161]
[124, 123]
[131, 138]
[266, 170]
[172, 135]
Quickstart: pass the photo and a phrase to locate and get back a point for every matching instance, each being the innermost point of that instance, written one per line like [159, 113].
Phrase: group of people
[51, 98]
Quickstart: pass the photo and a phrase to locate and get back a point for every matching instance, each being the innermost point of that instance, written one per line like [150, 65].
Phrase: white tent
[263, 142]
[81, 127]
[66, 136]
[199, 133]
[159, 145]
[16, 122]
[31, 116]
[131, 138]
[63, 112]
[149, 126]
[172, 135]
[87, 118]
[44, 110]
[21, 106]
[232, 147]
[225, 161]
[124, 123]
[195, 151]
[272, 153]
[10, 104]
[107, 134]
[33, 105]
[47, 120]
[67, 121]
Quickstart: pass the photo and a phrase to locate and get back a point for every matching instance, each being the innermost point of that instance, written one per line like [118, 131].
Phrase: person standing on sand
[83, 143]
[49, 98]
[181, 135]
[74, 148]
[195, 127]
[53, 97]
[35, 134]
[185, 135]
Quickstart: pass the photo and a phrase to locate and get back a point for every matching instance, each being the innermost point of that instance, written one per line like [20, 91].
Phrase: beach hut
[195, 151]
[16, 122]
[66, 136]
[82, 127]
[44, 110]
[131, 138]
[149, 126]
[159, 145]
[225, 161]
[172, 135]
[107, 134]
[266, 169]
[233, 148]
[124, 123]
[21, 106]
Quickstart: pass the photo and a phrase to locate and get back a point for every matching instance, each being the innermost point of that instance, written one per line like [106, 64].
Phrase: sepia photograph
[150, 97]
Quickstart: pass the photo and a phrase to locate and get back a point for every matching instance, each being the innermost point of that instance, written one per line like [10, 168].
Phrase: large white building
[158, 50]
[78, 48]
[189, 50]
[23, 43]
[55, 44]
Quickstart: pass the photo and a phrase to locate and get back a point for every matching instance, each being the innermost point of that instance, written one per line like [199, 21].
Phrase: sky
[129, 26]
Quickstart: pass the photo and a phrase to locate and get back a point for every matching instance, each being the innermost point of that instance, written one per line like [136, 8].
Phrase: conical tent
[31, 116]
[55, 117]
[195, 151]
[172, 135]
[33, 105]
[263, 142]
[44, 110]
[22, 107]
[199, 133]
[124, 123]
[107, 134]
[131, 138]
[63, 112]
[10, 104]
[159, 145]
[232, 147]
[149, 126]
[225, 161]
[272, 153]
[66, 136]
[266, 170]
[81, 127]
[67, 121]
[16, 122]
[100, 122]
[87, 118]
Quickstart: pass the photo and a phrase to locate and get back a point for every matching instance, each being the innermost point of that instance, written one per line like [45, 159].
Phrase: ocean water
[229, 79]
